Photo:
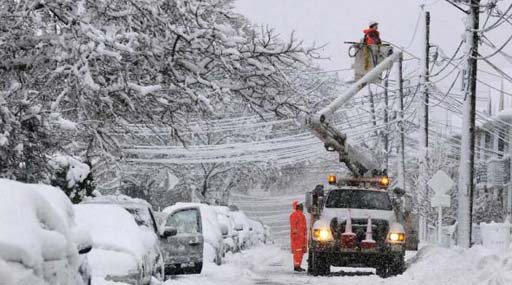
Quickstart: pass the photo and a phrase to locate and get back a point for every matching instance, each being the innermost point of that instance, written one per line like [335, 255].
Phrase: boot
[299, 269]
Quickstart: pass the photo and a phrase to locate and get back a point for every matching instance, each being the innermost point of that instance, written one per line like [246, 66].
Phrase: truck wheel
[198, 266]
[394, 265]
[397, 265]
[318, 265]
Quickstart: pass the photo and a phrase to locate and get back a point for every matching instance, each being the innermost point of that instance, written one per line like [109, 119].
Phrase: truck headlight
[322, 234]
[396, 237]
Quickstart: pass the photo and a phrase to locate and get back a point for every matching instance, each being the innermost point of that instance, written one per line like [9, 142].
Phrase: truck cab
[356, 223]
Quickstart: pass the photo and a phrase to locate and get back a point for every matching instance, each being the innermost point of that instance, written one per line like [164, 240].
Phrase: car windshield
[359, 199]
[185, 221]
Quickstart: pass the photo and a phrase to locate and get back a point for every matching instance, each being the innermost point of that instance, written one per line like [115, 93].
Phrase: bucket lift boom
[321, 126]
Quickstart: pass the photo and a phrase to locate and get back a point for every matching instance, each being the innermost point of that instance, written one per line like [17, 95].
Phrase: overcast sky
[334, 21]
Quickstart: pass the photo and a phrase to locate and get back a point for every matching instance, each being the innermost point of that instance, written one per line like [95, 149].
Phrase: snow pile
[431, 266]
[77, 170]
[477, 265]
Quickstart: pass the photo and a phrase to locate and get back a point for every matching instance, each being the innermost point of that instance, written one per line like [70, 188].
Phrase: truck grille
[380, 229]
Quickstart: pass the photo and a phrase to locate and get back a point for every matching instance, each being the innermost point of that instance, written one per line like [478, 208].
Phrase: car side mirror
[224, 230]
[82, 238]
[169, 232]
[85, 249]
[239, 227]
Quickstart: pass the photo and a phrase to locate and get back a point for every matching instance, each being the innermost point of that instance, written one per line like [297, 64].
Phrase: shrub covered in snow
[73, 176]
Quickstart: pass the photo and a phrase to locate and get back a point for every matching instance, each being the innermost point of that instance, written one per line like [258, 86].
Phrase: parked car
[143, 215]
[198, 238]
[227, 224]
[257, 232]
[242, 226]
[122, 251]
[39, 241]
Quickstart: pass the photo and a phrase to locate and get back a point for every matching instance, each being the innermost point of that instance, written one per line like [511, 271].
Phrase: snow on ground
[431, 265]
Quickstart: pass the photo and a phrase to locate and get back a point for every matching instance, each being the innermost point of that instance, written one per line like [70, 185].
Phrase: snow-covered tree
[80, 72]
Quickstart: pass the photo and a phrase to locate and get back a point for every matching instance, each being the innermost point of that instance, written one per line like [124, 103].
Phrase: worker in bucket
[372, 35]
[298, 235]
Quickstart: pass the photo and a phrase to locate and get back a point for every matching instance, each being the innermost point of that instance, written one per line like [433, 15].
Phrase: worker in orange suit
[372, 35]
[298, 235]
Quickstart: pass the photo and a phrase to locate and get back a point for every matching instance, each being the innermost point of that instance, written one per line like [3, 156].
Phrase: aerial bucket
[366, 57]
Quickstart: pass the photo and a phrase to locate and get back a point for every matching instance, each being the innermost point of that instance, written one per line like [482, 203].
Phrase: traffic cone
[368, 242]
[348, 238]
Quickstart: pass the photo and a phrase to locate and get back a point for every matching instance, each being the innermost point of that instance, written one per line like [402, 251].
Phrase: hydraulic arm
[320, 124]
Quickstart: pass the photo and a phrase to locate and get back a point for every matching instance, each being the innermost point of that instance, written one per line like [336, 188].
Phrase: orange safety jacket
[372, 37]
[298, 230]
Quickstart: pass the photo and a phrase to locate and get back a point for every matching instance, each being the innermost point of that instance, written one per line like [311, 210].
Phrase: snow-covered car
[39, 241]
[242, 226]
[143, 215]
[122, 251]
[227, 226]
[198, 237]
[257, 232]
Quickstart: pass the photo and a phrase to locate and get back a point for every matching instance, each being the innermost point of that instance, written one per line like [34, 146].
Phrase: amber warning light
[384, 181]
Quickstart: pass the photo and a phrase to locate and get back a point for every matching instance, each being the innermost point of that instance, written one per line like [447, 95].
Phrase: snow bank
[477, 265]
[431, 266]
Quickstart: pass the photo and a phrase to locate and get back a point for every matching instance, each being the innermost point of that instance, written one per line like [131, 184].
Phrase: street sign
[440, 200]
[440, 183]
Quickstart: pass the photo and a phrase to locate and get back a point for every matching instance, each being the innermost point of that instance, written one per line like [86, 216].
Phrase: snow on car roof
[118, 199]
[23, 214]
[113, 228]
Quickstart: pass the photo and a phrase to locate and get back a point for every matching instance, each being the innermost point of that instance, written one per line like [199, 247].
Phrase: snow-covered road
[439, 266]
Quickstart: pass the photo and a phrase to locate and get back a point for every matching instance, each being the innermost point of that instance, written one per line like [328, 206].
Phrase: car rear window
[359, 199]
[185, 221]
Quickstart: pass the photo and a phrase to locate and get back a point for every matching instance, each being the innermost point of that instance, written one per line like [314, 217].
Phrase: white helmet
[372, 23]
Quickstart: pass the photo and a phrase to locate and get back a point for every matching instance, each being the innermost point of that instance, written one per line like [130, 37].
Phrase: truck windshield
[359, 199]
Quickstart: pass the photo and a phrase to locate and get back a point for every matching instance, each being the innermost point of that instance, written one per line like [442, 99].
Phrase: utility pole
[423, 188]
[467, 157]
[386, 120]
[401, 166]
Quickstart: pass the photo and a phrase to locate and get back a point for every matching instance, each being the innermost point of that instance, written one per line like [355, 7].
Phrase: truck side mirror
[309, 201]
[399, 192]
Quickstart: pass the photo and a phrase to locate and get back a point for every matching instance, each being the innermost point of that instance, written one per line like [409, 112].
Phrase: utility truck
[355, 221]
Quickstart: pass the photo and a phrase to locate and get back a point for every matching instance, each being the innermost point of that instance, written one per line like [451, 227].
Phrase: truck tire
[198, 267]
[394, 265]
[318, 265]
